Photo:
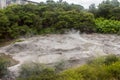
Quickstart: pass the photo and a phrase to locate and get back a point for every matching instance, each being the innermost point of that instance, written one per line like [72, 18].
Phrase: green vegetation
[3, 67]
[58, 17]
[5, 62]
[36, 71]
[108, 9]
[102, 68]
[49, 17]
[107, 26]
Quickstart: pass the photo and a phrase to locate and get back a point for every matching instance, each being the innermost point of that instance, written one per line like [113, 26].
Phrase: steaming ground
[72, 48]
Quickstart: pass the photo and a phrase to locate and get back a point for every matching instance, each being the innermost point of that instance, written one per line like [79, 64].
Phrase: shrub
[36, 71]
[71, 74]
[104, 60]
[3, 67]
[107, 26]
[114, 70]
[110, 59]
[103, 68]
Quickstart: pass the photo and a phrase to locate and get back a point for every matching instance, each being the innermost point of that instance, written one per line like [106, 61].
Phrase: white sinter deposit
[73, 48]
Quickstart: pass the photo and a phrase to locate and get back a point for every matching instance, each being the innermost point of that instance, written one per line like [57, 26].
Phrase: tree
[115, 13]
[115, 3]
[51, 17]
[104, 9]
[4, 22]
[92, 9]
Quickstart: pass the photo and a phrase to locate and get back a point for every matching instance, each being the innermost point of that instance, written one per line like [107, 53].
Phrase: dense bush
[3, 67]
[107, 26]
[49, 17]
[57, 17]
[36, 71]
